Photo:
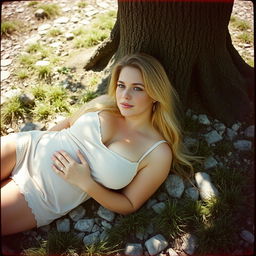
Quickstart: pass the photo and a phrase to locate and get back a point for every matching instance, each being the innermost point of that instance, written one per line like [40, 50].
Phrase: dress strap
[151, 149]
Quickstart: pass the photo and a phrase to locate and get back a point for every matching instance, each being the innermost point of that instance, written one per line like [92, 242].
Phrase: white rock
[69, 36]
[5, 75]
[156, 244]
[74, 19]
[6, 62]
[203, 119]
[243, 145]
[133, 250]
[32, 40]
[250, 131]
[171, 252]
[12, 93]
[42, 63]
[44, 27]
[247, 236]
[106, 214]
[212, 137]
[189, 244]
[92, 238]
[174, 185]
[85, 22]
[206, 188]
[210, 162]
[63, 225]
[61, 20]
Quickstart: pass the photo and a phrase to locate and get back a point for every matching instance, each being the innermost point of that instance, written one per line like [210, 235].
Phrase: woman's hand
[75, 173]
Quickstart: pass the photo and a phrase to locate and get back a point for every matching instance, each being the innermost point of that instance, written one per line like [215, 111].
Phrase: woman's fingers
[81, 157]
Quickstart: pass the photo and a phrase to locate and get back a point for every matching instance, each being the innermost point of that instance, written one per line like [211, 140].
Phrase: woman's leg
[16, 216]
[8, 156]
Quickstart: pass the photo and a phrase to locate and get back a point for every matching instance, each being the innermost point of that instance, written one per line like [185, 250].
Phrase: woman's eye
[138, 89]
[120, 85]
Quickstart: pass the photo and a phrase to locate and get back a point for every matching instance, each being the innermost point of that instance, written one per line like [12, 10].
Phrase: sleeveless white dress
[48, 195]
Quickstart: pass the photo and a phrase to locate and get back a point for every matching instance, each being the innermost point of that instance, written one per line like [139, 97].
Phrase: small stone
[194, 117]
[32, 126]
[247, 236]
[174, 185]
[84, 225]
[159, 207]
[77, 213]
[92, 238]
[74, 20]
[243, 145]
[162, 197]
[40, 14]
[106, 214]
[85, 22]
[133, 250]
[27, 99]
[42, 63]
[5, 75]
[32, 40]
[44, 27]
[192, 193]
[250, 131]
[95, 228]
[91, 13]
[106, 225]
[6, 62]
[189, 244]
[191, 143]
[236, 127]
[69, 36]
[151, 202]
[66, 9]
[203, 119]
[212, 137]
[210, 162]
[56, 44]
[231, 134]
[206, 188]
[10, 130]
[220, 127]
[171, 252]
[103, 235]
[61, 20]
[63, 225]
[156, 244]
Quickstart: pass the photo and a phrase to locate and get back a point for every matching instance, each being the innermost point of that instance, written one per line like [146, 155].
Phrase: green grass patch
[54, 32]
[239, 24]
[104, 21]
[9, 27]
[27, 60]
[82, 4]
[204, 150]
[22, 74]
[87, 96]
[32, 3]
[44, 72]
[99, 249]
[246, 38]
[51, 10]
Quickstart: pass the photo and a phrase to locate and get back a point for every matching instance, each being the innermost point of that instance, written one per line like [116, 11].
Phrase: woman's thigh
[8, 156]
[16, 216]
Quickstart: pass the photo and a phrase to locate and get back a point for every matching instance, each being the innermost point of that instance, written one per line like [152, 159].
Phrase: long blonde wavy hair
[164, 119]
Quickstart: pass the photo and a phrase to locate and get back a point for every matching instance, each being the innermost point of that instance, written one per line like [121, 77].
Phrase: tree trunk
[192, 41]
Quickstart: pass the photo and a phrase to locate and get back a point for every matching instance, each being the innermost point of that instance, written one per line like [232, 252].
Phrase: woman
[118, 150]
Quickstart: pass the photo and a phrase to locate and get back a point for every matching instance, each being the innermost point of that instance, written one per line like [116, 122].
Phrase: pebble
[206, 188]
[247, 236]
[171, 252]
[77, 214]
[61, 20]
[231, 134]
[156, 244]
[63, 225]
[93, 238]
[84, 225]
[174, 186]
[159, 207]
[192, 193]
[106, 214]
[32, 126]
[210, 162]
[133, 249]
[44, 27]
[250, 131]
[189, 244]
[42, 63]
[243, 145]
[203, 119]
[5, 75]
[6, 62]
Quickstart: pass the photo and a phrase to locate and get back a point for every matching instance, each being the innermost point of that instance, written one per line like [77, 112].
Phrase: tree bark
[192, 41]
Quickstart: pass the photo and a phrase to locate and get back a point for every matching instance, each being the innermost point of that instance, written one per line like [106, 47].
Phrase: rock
[56, 44]
[27, 99]
[40, 14]
[151, 202]
[133, 250]
[220, 127]
[206, 188]
[249, 131]
[174, 185]
[189, 244]
[231, 134]
[85, 22]
[95, 228]
[210, 162]
[156, 244]
[77, 213]
[106, 214]
[247, 236]
[192, 193]
[44, 27]
[106, 225]
[191, 143]
[63, 225]
[6, 62]
[5, 75]
[32, 126]
[243, 145]
[69, 36]
[42, 63]
[61, 20]
[236, 127]
[32, 40]
[171, 252]
[75, 19]
[212, 137]
[84, 225]
[91, 13]
[103, 235]
[162, 197]
[203, 119]
[159, 207]
[92, 238]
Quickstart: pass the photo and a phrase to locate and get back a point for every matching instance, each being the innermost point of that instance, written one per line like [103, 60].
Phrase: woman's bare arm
[61, 125]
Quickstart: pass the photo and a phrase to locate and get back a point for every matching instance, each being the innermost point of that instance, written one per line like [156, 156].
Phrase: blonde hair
[164, 119]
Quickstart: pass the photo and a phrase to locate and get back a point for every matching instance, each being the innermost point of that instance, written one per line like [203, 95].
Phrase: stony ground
[241, 137]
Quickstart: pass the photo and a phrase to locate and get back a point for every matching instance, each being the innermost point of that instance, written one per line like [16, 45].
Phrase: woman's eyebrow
[119, 81]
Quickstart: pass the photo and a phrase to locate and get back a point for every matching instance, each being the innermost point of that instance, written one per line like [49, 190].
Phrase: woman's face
[131, 96]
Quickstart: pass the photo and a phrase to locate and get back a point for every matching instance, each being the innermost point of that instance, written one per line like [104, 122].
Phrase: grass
[22, 74]
[82, 4]
[51, 10]
[239, 24]
[54, 32]
[9, 27]
[246, 38]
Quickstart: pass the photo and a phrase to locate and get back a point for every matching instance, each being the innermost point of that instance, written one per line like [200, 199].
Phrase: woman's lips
[126, 105]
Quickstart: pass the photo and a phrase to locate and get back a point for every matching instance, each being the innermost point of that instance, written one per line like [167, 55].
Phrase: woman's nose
[127, 94]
